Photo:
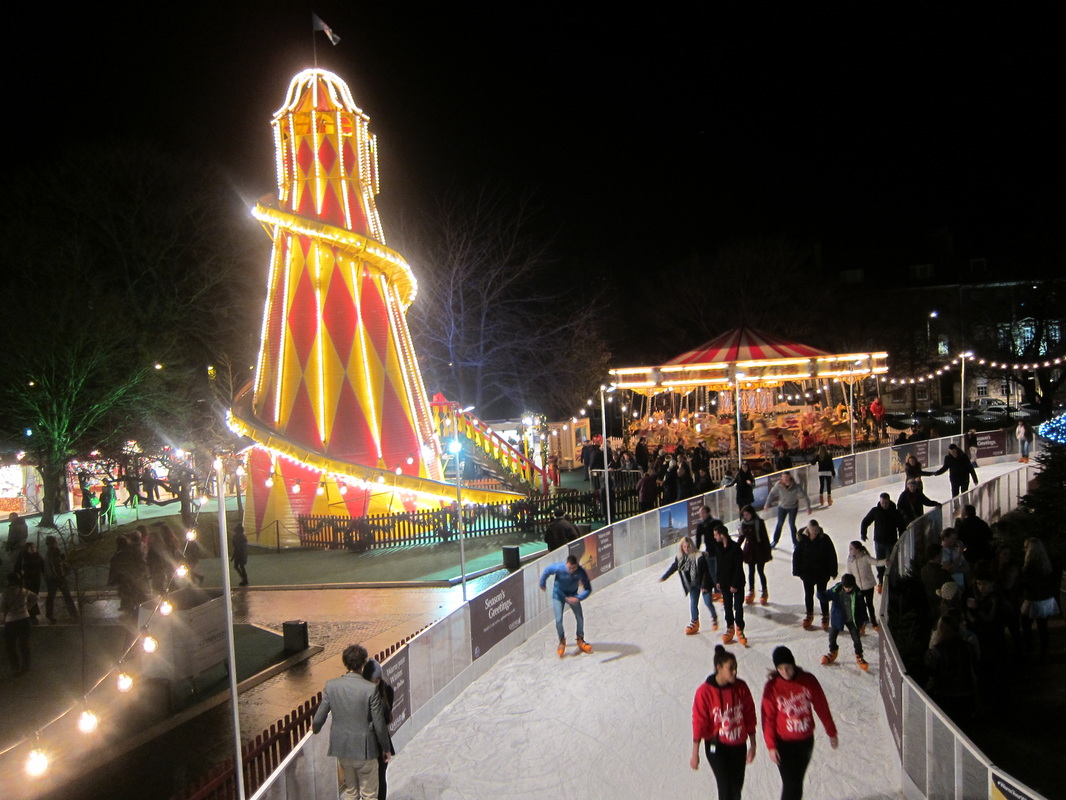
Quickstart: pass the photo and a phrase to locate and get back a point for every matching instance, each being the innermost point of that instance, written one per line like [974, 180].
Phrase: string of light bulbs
[37, 761]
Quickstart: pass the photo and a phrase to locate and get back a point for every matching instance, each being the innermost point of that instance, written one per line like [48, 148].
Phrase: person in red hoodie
[723, 717]
[789, 701]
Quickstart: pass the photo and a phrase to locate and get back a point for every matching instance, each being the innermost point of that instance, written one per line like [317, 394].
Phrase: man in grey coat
[358, 726]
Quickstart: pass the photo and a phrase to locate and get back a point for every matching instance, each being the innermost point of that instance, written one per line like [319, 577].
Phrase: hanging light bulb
[296, 487]
[181, 571]
[150, 644]
[321, 490]
[124, 682]
[166, 608]
[190, 535]
[344, 489]
[269, 482]
[87, 721]
[36, 763]
[217, 463]
[203, 500]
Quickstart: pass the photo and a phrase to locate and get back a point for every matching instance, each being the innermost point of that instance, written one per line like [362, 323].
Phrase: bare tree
[120, 265]
[489, 327]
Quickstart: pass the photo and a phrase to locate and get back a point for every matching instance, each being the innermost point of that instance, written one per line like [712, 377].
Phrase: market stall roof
[754, 358]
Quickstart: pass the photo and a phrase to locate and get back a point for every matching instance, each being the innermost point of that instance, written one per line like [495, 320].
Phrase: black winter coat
[815, 560]
[888, 523]
[731, 567]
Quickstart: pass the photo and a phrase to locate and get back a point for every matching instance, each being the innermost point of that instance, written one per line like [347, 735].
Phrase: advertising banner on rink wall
[397, 673]
[673, 523]
[845, 466]
[496, 613]
[891, 685]
[991, 443]
[595, 552]
[1003, 788]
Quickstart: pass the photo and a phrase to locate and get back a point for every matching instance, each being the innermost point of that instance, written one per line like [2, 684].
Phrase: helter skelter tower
[337, 407]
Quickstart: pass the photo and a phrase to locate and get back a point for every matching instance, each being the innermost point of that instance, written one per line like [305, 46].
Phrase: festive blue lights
[1054, 430]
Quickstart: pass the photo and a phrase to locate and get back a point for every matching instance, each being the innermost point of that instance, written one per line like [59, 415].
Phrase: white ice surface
[617, 723]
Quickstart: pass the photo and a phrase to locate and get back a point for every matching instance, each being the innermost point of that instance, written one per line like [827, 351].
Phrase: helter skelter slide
[337, 408]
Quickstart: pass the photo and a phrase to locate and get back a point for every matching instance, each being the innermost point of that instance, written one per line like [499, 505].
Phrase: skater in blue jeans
[699, 574]
[569, 578]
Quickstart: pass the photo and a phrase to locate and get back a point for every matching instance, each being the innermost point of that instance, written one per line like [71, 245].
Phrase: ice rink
[617, 723]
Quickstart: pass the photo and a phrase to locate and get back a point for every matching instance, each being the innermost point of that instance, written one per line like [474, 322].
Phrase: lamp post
[740, 452]
[962, 398]
[928, 331]
[223, 541]
[456, 449]
[604, 390]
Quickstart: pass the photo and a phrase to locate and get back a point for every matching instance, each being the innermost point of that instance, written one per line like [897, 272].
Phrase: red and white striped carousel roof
[745, 344]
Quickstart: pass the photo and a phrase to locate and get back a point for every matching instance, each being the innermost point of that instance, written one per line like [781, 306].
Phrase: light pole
[740, 452]
[456, 449]
[223, 542]
[962, 398]
[606, 466]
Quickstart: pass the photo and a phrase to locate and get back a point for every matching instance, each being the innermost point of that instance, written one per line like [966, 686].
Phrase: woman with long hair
[1038, 589]
[913, 470]
[723, 717]
[744, 481]
[698, 576]
[826, 472]
[861, 564]
[755, 543]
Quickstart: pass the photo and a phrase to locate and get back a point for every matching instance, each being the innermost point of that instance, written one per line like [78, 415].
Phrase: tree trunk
[53, 476]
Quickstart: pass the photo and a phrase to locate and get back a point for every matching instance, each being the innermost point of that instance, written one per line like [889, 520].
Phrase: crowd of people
[979, 606]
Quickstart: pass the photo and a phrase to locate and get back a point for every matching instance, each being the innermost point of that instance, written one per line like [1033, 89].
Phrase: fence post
[277, 535]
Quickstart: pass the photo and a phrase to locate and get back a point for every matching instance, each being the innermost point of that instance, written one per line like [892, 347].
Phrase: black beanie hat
[782, 655]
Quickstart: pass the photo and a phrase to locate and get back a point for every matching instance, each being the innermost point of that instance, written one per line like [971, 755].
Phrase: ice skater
[849, 612]
[731, 585]
[861, 564]
[699, 574]
[723, 717]
[790, 700]
[755, 544]
[569, 578]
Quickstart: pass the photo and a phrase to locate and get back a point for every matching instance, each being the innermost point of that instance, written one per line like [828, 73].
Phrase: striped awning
[745, 344]
[750, 359]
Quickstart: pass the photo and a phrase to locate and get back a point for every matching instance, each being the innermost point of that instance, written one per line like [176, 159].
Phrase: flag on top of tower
[319, 25]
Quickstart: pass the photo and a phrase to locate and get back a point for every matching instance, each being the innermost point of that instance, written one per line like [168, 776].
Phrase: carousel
[741, 391]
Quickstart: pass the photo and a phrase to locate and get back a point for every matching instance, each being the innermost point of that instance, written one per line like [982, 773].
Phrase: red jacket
[725, 715]
[788, 709]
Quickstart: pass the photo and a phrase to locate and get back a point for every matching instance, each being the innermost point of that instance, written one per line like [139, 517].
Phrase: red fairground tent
[762, 359]
[745, 344]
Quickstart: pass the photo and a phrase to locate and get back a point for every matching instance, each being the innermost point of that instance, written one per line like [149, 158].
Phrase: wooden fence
[529, 515]
[260, 757]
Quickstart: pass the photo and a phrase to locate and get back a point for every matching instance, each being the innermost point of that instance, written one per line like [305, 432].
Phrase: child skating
[848, 612]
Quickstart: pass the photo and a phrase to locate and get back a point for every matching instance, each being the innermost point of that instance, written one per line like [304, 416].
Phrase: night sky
[648, 132]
